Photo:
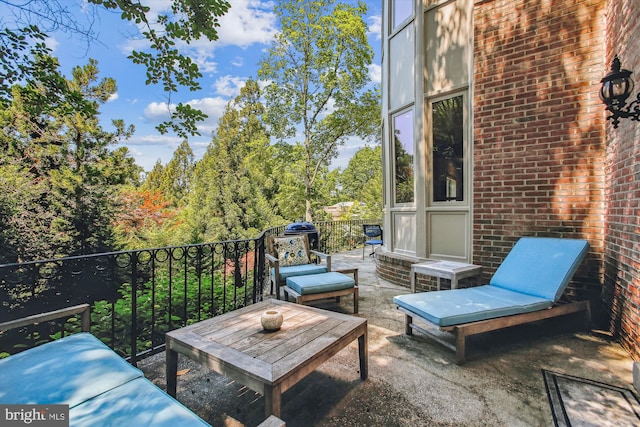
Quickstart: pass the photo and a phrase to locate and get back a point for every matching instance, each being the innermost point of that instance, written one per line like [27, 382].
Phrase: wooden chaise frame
[464, 330]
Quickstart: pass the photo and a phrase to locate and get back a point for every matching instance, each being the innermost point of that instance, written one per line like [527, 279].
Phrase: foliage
[22, 49]
[65, 176]
[143, 215]
[361, 181]
[161, 307]
[177, 176]
[234, 184]
[318, 68]
[404, 176]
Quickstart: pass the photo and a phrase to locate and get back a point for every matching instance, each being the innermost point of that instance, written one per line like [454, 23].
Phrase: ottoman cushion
[320, 283]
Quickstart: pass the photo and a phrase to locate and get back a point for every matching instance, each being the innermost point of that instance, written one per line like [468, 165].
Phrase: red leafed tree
[143, 213]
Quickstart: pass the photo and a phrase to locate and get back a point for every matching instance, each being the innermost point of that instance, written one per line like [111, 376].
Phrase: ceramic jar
[271, 320]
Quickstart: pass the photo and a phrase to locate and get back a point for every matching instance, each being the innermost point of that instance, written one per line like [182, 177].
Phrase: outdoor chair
[525, 288]
[290, 256]
[372, 237]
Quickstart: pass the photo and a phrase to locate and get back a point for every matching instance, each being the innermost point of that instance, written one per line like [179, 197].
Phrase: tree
[361, 181]
[318, 69]
[177, 175]
[60, 162]
[22, 47]
[233, 194]
[145, 216]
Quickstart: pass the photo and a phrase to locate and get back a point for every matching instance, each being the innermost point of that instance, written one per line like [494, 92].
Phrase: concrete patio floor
[413, 381]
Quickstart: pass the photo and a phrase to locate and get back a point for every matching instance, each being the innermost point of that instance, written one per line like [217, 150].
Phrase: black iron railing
[137, 296]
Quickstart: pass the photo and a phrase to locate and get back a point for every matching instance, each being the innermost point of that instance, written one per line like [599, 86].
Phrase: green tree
[22, 47]
[318, 70]
[361, 181]
[153, 180]
[233, 190]
[177, 176]
[61, 164]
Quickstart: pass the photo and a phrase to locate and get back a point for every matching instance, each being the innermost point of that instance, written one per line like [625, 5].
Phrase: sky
[245, 34]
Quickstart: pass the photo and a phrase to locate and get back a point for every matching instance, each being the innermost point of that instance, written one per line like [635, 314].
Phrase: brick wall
[539, 129]
[622, 238]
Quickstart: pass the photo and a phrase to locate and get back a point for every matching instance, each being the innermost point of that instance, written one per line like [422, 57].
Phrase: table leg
[172, 371]
[363, 352]
[272, 401]
[454, 283]
[413, 280]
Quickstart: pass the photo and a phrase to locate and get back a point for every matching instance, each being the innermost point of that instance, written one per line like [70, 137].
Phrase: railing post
[134, 309]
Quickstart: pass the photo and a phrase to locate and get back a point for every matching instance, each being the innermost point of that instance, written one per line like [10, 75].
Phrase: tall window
[448, 149]
[403, 153]
[401, 10]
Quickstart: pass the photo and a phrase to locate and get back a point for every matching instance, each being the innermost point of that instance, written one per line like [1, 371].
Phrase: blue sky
[244, 35]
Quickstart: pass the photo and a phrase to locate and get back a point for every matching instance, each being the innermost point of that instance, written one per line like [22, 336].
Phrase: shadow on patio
[412, 380]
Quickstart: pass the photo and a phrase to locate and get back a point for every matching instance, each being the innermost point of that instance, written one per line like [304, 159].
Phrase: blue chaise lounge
[525, 288]
[99, 387]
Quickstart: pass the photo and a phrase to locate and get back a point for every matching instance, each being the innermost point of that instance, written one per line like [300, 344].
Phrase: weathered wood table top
[235, 345]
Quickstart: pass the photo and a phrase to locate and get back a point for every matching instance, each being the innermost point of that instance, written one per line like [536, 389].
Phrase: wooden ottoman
[333, 284]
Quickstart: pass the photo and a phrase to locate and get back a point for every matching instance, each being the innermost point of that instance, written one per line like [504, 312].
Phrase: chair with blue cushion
[290, 256]
[527, 287]
[372, 237]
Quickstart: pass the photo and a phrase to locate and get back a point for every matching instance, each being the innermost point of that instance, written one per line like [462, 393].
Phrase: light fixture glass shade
[616, 86]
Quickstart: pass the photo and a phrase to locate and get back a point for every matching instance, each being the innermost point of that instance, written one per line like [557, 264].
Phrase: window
[448, 149]
[403, 156]
[401, 10]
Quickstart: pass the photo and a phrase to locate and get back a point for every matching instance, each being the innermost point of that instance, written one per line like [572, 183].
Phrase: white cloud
[113, 97]
[247, 22]
[51, 43]
[212, 107]
[155, 140]
[237, 61]
[229, 85]
[375, 73]
[375, 26]
[158, 111]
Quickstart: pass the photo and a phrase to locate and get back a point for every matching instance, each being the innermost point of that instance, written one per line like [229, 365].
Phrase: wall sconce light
[616, 88]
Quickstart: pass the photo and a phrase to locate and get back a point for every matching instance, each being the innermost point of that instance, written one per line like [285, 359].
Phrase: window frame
[466, 160]
[392, 130]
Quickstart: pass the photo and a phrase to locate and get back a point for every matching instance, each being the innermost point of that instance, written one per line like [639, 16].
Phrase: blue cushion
[66, 371]
[318, 283]
[373, 242]
[299, 270]
[456, 306]
[136, 403]
[540, 266]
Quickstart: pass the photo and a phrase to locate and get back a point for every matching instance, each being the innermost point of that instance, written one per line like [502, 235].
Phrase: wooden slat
[302, 339]
[519, 319]
[52, 315]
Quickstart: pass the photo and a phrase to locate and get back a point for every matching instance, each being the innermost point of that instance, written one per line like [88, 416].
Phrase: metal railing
[137, 296]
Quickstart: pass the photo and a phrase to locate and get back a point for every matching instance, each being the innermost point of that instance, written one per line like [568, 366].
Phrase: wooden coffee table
[235, 345]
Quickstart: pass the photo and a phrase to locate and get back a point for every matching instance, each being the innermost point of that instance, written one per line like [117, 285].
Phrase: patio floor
[412, 380]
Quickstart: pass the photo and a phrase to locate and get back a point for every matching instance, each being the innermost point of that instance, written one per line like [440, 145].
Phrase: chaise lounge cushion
[540, 266]
[457, 306]
[532, 277]
[68, 371]
[136, 403]
[320, 283]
